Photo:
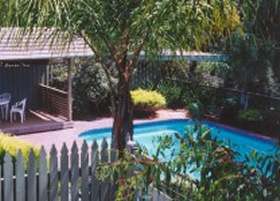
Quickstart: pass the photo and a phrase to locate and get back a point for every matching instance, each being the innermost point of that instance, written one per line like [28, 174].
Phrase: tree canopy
[118, 30]
[255, 51]
[118, 26]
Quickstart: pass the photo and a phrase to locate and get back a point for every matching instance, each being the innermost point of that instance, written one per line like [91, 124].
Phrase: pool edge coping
[244, 132]
[228, 127]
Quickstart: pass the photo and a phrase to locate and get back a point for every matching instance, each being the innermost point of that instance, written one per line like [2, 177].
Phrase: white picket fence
[68, 176]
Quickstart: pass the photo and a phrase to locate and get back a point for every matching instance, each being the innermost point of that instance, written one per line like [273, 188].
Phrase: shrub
[230, 108]
[272, 121]
[252, 115]
[202, 168]
[12, 145]
[147, 100]
[196, 110]
[250, 61]
[91, 90]
[173, 94]
[179, 94]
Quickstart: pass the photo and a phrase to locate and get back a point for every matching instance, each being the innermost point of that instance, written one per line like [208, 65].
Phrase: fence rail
[64, 176]
[260, 101]
[68, 175]
[54, 100]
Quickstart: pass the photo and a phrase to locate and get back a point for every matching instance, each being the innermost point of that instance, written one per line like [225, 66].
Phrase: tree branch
[105, 68]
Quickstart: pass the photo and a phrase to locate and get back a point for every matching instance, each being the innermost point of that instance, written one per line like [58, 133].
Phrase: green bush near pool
[12, 146]
[251, 115]
[147, 100]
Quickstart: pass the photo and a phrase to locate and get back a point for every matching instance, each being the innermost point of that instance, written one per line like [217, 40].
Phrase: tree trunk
[123, 116]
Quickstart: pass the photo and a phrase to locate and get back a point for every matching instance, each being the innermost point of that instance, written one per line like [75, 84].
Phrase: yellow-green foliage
[147, 99]
[11, 145]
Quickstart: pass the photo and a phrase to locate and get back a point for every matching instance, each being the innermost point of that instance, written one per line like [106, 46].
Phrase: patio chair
[19, 108]
[5, 99]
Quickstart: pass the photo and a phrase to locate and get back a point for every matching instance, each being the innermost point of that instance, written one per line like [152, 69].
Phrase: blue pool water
[146, 134]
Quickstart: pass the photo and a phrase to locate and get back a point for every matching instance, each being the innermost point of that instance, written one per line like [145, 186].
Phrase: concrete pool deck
[68, 136]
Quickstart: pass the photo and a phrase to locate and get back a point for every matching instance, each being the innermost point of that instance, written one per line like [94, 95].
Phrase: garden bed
[253, 127]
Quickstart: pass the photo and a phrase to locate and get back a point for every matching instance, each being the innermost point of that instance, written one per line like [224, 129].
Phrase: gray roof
[168, 55]
[17, 44]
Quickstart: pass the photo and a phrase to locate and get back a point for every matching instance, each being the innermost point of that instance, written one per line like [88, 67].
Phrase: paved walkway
[47, 139]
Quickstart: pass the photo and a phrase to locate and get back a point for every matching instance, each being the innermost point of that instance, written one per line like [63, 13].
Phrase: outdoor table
[4, 105]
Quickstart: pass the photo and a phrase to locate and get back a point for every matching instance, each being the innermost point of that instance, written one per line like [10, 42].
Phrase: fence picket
[104, 151]
[64, 160]
[95, 185]
[114, 156]
[105, 187]
[74, 173]
[31, 179]
[20, 180]
[43, 176]
[8, 179]
[85, 173]
[53, 174]
[28, 186]
[0, 183]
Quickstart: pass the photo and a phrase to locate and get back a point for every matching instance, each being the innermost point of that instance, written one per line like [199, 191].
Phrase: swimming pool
[146, 134]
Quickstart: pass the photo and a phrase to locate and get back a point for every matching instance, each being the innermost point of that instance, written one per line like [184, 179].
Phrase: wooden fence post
[43, 176]
[20, 180]
[85, 172]
[74, 172]
[114, 157]
[53, 174]
[1, 183]
[64, 173]
[95, 185]
[31, 178]
[105, 187]
[52, 183]
[8, 179]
